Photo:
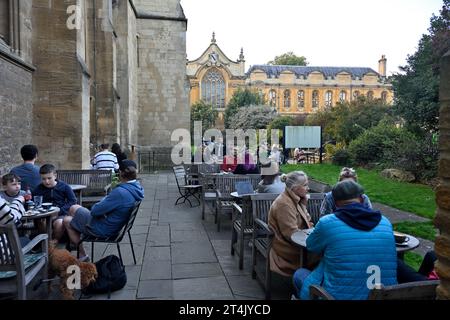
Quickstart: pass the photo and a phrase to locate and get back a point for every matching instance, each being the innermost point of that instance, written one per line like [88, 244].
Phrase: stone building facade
[79, 73]
[442, 220]
[290, 89]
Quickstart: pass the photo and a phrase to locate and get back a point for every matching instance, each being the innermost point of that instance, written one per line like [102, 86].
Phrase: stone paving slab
[196, 270]
[193, 252]
[213, 288]
[150, 289]
[156, 270]
[395, 215]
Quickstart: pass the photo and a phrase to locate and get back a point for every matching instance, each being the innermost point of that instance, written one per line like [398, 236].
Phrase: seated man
[57, 192]
[107, 217]
[354, 241]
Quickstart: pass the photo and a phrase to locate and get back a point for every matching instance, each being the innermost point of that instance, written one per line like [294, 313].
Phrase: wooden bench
[97, 183]
[420, 290]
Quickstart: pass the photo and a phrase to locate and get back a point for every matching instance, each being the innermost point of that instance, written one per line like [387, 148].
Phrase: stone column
[442, 220]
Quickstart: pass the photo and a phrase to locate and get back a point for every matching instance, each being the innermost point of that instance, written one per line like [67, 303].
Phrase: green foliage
[414, 260]
[410, 197]
[280, 122]
[205, 113]
[424, 230]
[253, 117]
[289, 59]
[241, 98]
[373, 144]
[342, 158]
[416, 90]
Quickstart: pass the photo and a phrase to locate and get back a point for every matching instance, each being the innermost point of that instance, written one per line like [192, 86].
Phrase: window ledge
[6, 54]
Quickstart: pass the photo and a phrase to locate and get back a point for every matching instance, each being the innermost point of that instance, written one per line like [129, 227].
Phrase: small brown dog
[59, 262]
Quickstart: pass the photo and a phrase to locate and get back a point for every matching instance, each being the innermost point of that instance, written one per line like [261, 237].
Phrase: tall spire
[241, 56]
[213, 39]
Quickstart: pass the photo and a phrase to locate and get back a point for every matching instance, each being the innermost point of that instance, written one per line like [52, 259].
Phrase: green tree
[280, 122]
[416, 90]
[289, 59]
[200, 111]
[241, 98]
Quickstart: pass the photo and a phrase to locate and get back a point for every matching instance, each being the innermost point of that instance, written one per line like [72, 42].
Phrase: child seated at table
[11, 187]
[58, 193]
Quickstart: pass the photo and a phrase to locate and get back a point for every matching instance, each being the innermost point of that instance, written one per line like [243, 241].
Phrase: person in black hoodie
[119, 154]
[58, 193]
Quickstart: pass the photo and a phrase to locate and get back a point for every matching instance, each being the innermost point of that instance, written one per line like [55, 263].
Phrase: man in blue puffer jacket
[107, 217]
[354, 241]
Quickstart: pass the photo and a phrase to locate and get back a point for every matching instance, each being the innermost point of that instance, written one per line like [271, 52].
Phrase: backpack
[111, 276]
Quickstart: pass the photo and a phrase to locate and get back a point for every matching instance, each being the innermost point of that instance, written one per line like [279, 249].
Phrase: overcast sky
[327, 32]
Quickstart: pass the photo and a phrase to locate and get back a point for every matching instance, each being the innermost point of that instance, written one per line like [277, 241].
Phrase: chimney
[382, 66]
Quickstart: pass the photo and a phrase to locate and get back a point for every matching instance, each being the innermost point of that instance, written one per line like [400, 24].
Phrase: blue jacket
[29, 174]
[61, 196]
[111, 214]
[351, 240]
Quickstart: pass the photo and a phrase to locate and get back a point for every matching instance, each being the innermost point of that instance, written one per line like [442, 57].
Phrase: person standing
[28, 171]
[118, 152]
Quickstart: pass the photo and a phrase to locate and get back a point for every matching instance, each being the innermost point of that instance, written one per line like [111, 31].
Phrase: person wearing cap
[270, 182]
[107, 217]
[353, 241]
[328, 206]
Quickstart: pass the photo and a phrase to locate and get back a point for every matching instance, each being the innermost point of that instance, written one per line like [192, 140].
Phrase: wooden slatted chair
[420, 290]
[18, 267]
[262, 237]
[225, 185]
[97, 183]
[185, 186]
[313, 206]
[208, 194]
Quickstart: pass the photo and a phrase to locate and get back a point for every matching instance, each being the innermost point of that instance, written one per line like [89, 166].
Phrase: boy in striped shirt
[105, 160]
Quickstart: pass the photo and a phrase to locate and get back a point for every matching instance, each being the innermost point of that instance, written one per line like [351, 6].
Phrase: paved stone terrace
[179, 256]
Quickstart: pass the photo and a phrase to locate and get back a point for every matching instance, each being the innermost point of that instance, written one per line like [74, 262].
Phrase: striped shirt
[11, 213]
[105, 160]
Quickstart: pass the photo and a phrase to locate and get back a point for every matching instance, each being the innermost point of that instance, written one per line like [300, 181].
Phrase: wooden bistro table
[78, 190]
[47, 216]
[299, 238]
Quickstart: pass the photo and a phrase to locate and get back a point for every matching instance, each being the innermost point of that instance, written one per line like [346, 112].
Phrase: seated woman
[270, 182]
[287, 215]
[107, 217]
[299, 155]
[328, 206]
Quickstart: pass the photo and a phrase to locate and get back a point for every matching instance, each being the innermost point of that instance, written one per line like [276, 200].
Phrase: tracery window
[384, 96]
[315, 99]
[370, 95]
[300, 99]
[328, 99]
[356, 94]
[287, 99]
[213, 89]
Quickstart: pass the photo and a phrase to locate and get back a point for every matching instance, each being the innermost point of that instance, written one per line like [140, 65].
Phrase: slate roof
[274, 71]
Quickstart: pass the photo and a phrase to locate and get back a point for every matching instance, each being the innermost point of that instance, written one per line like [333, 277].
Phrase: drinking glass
[38, 201]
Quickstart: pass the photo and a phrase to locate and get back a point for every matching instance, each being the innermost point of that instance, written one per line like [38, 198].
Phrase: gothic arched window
[315, 99]
[328, 99]
[300, 99]
[384, 96]
[287, 99]
[213, 89]
[342, 96]
[356, 94]
[272, 98]
[370, 95]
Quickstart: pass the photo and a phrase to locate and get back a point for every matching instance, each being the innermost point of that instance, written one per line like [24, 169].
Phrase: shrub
[374, 144]
[253, 117]
[342, 158]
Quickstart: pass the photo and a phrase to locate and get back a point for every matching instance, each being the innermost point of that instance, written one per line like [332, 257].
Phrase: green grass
[414, 260]
[424, 230]
[415, 198]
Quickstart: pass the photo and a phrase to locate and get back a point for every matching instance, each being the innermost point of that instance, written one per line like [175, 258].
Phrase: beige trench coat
[286, 216]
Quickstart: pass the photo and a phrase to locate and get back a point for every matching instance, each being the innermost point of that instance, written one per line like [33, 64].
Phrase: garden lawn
[414, 198]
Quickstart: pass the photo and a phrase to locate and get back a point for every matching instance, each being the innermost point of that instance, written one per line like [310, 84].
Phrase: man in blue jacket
[357, 245]
[107, 217]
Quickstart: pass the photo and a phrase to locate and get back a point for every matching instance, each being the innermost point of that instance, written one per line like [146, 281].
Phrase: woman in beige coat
[288, 214]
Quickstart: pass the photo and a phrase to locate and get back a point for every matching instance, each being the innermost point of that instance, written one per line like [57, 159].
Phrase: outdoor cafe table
[299, 238]
[78, 190]
[45, 216]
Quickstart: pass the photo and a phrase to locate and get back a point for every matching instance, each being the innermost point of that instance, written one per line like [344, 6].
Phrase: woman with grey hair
[328, 205]
[287, 215]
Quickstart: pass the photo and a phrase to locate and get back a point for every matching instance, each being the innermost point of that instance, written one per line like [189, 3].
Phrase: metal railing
[154, 160]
